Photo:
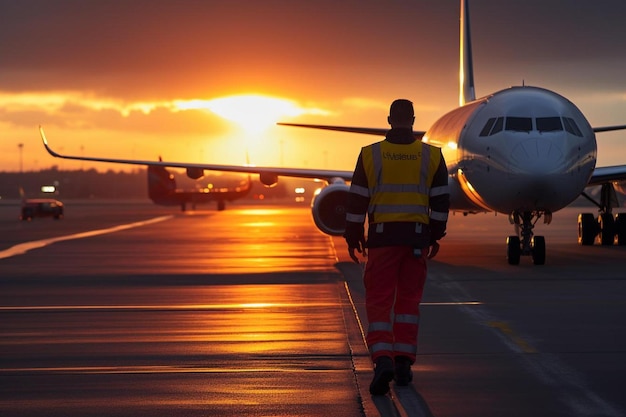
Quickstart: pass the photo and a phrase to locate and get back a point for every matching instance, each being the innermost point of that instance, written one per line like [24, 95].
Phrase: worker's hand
[433, 249]
[359, 246]
[355, 238]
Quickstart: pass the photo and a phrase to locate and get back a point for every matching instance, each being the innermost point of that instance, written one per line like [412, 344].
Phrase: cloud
[253, 112]
[64, 101]
[365, 103]
[73, 109]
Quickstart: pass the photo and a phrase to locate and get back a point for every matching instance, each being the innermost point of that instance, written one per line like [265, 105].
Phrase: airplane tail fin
[161, 183]
[466, 66]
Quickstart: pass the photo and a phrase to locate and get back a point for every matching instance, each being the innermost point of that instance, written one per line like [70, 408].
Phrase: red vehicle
[41, 207]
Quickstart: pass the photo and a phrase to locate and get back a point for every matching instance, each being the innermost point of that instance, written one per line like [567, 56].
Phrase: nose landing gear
[524, 243]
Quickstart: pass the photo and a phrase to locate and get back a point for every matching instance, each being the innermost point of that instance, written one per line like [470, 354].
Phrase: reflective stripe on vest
[399, 177]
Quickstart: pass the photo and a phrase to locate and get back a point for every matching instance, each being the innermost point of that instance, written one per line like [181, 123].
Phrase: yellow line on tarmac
[515, 338]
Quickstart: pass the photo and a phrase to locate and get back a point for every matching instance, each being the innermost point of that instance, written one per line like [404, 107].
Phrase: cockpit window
[525, 124]
[549, 124]
[571, 126]
[488, 126]
[519, 124]
[493, 126]
[498, 126]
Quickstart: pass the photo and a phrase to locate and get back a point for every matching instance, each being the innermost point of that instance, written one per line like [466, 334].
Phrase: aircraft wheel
[620, 228]
[538, 245]
[221, 205]
[587, 229]
[513, 250]
[606, 226]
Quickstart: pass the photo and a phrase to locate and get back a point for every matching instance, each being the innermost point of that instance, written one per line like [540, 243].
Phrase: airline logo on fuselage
[397, 156]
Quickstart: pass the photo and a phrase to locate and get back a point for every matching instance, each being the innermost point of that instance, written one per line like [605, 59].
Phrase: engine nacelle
[268, 179]
[195, 173]
[329, 208]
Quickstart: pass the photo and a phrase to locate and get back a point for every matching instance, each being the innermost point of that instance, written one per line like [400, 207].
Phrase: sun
[252, 112]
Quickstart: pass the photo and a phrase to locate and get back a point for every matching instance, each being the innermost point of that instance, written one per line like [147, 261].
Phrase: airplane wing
[602, 175]
[608, 128]
[321, 174]
[361, 130]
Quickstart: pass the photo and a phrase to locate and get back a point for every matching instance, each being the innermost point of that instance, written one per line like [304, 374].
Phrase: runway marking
[515, 338]
[22, 248]
[569, 385]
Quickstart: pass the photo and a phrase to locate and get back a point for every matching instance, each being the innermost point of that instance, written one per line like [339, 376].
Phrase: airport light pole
[21, 147]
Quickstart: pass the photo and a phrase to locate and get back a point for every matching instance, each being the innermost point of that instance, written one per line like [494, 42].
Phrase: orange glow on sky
[207, 81]
[253, 112]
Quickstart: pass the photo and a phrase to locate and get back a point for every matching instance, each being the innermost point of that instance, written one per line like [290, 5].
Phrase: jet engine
[329, 208]
[195, 173]
[268, 179]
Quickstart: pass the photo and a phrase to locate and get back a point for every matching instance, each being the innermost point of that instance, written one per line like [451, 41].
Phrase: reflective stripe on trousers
[394, 284]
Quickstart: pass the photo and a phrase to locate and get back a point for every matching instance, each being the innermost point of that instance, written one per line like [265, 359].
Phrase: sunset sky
[204, 80]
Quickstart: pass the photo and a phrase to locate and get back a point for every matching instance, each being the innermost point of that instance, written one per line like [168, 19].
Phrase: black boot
[383, 374]
[404, 375]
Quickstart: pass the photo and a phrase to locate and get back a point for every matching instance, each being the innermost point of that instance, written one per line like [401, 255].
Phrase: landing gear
[606, 229]
[538, 250]
[513, 250]
[587, 229]
[525, 243]
[620, 228]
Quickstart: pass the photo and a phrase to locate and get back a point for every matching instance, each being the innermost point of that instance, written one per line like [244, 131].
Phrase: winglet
[45, 144]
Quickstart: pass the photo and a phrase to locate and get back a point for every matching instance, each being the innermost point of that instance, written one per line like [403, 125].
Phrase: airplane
[162, 190]
[523, 151]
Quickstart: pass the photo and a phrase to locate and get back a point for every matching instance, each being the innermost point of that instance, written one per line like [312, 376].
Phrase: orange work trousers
[394, 285]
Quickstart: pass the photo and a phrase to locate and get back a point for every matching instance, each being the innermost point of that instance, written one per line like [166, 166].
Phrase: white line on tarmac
[22, 248]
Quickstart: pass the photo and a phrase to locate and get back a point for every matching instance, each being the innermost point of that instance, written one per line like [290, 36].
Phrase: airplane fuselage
[523, 149]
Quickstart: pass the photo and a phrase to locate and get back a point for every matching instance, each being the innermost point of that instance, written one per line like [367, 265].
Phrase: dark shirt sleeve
[356, 206]
[439, 202]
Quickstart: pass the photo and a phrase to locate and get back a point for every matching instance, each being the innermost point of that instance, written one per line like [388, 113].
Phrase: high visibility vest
[399, 178]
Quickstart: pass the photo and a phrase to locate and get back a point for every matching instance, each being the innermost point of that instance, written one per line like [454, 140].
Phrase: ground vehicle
[41, 207]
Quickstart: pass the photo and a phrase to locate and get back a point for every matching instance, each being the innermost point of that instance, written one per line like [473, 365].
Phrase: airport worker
[401, 185]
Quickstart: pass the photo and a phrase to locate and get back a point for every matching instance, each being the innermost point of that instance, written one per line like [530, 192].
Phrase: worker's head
[401, 113]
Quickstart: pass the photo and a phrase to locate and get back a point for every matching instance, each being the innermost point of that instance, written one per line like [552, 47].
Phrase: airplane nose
[536, 156]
